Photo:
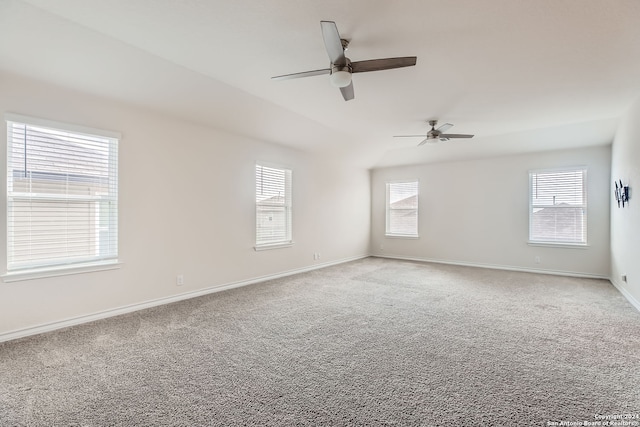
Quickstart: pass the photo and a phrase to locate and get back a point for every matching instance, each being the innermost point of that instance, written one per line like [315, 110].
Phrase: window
[273, 207]
[558, 206]
[62, 195]
[402, 209]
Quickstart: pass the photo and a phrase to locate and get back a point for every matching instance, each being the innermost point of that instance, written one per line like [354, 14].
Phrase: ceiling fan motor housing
[341, 68]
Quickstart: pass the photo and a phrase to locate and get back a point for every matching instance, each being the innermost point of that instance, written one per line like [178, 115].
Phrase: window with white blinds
[558, 206]
[273, 206]
[402, 209]
[62, 195]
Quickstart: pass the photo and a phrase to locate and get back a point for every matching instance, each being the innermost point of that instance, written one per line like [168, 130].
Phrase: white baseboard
[497, 267]
[634, 302]
[620, 287]
[52, 326]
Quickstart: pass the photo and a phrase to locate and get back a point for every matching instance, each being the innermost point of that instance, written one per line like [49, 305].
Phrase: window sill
[41, 273]
[402, 236]
[559, 245]
[273, 246]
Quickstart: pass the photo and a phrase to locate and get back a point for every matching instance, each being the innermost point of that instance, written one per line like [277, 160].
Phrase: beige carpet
[372, 342]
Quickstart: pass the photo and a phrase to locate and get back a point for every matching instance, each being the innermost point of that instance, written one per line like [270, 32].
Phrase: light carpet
[371, 342]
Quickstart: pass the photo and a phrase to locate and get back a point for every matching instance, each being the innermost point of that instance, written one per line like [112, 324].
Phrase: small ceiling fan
[435, 135]
[341, 68]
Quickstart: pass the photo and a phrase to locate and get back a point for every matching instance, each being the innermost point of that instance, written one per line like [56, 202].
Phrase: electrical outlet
[318, 255]
[179, 280]
[624, 277]
[537, 260]
[382, 246]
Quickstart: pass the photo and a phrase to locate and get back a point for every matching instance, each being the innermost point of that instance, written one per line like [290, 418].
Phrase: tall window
[273, 206]
[402, 209]
[558, 206]
[62, 195]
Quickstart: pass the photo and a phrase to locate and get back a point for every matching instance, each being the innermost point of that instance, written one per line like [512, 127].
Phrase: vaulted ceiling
[522, 75]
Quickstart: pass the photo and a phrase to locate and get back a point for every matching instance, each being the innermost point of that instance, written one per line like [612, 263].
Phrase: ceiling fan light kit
[340, 76]
[341, 68]
[341, 71]
[435, 135]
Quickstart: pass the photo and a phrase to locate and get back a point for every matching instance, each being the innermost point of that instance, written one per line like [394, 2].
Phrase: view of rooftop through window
[62, 196]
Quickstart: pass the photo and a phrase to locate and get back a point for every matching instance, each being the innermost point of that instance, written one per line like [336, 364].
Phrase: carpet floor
[367, 343]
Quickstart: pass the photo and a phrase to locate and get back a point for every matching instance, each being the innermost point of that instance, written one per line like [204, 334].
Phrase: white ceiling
[522, 75]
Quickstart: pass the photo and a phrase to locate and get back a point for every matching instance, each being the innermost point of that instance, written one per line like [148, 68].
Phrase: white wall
[476, 212]
[186, 206]
[625, 222]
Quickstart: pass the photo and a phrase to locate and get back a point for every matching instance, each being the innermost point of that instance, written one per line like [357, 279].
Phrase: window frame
[388, 209]
[584, 206]
[287, 241]
[71, 264]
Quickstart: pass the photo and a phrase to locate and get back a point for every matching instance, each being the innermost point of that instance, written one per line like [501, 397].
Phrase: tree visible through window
[402, 209]
[62, 196]
[558, 206]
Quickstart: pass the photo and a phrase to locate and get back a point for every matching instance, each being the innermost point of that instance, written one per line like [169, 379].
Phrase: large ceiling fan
[435, 135]
[341, 67]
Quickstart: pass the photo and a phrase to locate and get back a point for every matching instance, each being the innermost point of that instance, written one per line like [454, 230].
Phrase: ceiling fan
[341, 68]
[436, 134]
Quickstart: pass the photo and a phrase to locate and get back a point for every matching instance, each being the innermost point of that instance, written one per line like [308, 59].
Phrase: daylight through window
[558, 206]
[402, 209]
[62, 196]
[273, 206]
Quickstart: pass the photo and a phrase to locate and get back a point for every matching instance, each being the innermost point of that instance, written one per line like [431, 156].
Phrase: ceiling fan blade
[382, 64]
[445, 127]
[425, 141]
[454, 135]
[302, 74]
[332, 42]
[347, 92]
[409, 136]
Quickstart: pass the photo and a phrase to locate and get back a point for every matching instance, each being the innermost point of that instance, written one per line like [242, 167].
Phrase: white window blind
[62, 196]
[402, 209]
[273, 206]
[558, 206]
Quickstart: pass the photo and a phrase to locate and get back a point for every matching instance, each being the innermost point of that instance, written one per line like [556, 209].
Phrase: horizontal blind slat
[402, 208]
[558, 206]
[273, 205]
[62, 190]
